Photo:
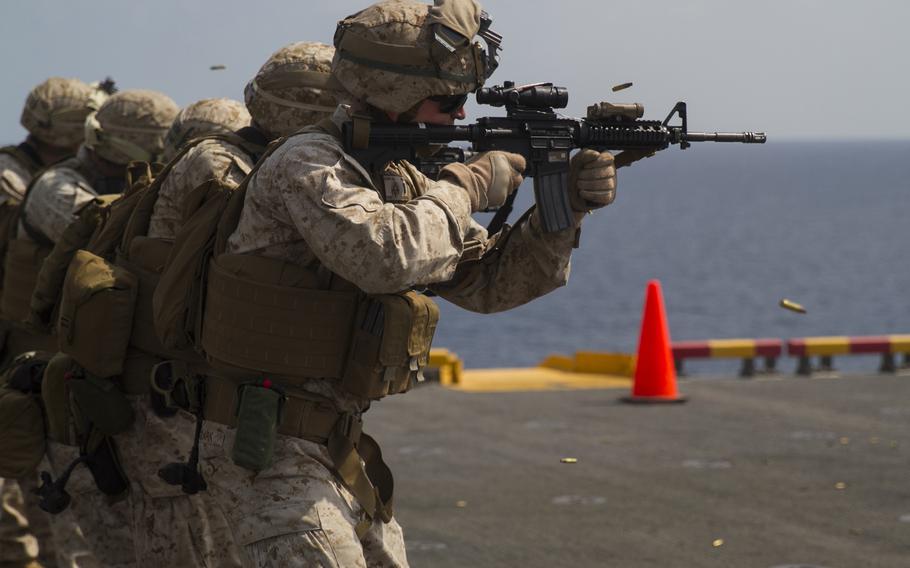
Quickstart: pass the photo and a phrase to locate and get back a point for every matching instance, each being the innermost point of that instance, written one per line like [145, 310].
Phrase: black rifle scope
[540, 95]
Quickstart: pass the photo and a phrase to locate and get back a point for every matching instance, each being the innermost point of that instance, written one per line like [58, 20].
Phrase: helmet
[55, 110]
[292, 90]
[396, 53]
[131, 125]
[208, 116]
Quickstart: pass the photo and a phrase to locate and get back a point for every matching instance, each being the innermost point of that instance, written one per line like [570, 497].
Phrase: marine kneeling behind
[53, 115]
[108, 357]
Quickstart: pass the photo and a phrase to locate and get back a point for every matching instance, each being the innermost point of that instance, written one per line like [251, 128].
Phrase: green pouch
[258, 416]
[100, 403]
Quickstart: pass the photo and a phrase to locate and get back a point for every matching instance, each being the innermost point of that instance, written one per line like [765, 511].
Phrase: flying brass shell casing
[792, 306]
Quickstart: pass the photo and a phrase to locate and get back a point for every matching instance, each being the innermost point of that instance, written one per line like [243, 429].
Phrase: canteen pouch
[391, 344]
[96, 313]
[258, 416]
[22, 429]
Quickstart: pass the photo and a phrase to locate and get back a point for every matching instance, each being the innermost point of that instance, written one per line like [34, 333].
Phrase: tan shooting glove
[488, 179]
[592, 180]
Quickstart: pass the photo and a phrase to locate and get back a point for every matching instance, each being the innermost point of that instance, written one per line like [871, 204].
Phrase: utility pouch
[55, 393]
[22, 431]
[96, 313]
[99, 405]
[258, 416]
[391, 344]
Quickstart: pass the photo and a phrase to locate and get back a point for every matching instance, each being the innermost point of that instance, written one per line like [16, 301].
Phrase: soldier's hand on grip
[592, 180]
[488, 179]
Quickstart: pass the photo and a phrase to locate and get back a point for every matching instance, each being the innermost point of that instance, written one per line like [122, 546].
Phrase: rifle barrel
[744, 137]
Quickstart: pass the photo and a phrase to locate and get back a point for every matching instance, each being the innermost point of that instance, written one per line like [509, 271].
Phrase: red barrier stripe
[691, 349]
[768, 347]
[870, 344]
[702, 349]
[796, 347]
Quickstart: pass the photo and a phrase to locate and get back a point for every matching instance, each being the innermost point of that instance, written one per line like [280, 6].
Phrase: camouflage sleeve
[208, 160]
[54, 200]
[511, 268]
[380, 247]
[14, 178]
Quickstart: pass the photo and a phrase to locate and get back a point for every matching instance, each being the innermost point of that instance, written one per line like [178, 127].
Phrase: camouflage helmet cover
[55, 110]
[131, 125]
[201, 118]
[396, 53]
[292, 89]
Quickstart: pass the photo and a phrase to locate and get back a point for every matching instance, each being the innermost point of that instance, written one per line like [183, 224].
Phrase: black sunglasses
[450, 103]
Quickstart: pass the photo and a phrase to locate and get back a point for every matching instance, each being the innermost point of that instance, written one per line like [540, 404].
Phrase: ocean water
[729, 230]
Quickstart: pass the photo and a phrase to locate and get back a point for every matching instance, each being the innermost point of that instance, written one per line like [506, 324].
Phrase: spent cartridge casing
[792, 306]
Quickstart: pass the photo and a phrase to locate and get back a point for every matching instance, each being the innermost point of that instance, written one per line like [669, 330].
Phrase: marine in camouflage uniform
[130, 125]
[207, 158]
[289, 92]
[314, 209]
[53, 115]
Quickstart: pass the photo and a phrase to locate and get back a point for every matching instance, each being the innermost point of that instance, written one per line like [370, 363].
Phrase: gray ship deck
[759, 473]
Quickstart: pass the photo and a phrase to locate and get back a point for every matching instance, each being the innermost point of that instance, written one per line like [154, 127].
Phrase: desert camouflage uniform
[209, 159]
[55, 198]
[14, 178]
[53, 113]
[130, 125]
[308, 203]
[240, 520]
[53, 201]
[202, 118]
[293, 514]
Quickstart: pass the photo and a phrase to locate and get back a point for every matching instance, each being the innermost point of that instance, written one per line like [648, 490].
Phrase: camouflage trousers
[30, 537]
[295, 513]
[24, 529]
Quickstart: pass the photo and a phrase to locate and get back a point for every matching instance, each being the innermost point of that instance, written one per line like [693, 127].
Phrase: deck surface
[749, 473]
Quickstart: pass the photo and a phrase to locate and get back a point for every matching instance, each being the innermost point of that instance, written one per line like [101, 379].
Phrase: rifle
[533, 129]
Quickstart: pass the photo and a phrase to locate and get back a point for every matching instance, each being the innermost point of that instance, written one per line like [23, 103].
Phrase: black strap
[31, 153]
[256, 141]
[502, 215]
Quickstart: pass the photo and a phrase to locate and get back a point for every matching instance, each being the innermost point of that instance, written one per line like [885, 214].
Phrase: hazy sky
[792, 68]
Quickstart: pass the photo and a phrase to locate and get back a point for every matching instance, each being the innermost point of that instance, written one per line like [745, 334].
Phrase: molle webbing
[254, 325]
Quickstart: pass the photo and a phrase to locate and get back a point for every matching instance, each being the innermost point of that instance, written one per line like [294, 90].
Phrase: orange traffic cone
[655, 374]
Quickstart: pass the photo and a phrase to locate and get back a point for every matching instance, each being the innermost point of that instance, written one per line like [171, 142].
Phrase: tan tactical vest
[292, 323]
[112, 333]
